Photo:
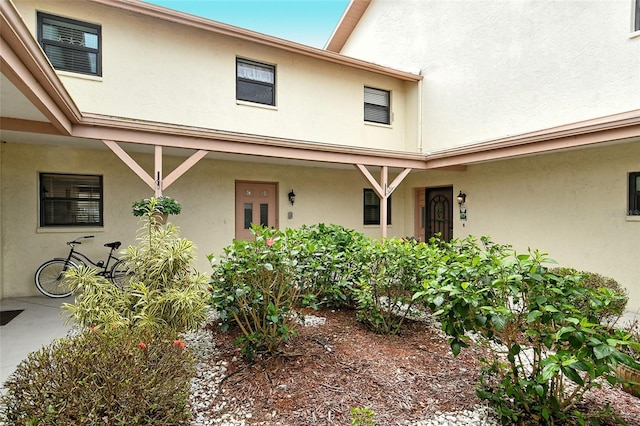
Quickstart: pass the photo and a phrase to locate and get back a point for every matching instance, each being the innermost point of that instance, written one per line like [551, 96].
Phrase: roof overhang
[147, 133]
[347, 24]
[170, 15]
[617, 127]
[25, 66]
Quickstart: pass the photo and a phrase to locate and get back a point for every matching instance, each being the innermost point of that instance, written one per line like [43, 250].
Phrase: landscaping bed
[329, 368]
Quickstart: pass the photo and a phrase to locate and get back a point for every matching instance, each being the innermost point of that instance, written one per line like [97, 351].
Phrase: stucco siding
[206, 192]
[498, 68]
[571, 205]
[160, 71]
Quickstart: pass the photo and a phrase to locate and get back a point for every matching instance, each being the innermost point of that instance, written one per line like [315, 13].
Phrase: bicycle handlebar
[78, 242]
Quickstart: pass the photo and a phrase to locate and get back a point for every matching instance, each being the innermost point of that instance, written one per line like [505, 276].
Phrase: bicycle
[49, 277]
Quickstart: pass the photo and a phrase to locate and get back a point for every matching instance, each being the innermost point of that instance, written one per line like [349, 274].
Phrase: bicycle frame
[84, 259]
[49, 277]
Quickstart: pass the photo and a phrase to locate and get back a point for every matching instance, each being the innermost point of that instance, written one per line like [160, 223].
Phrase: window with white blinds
[70, 45]
[70, 200]
[371, 208]
[377, 105]
[255, 82]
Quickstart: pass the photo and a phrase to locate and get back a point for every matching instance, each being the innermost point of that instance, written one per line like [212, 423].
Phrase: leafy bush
[617, 296]
[546, 352]
[630, 333]
[255, 286]
[114, 376]
[163, 290]
[166, 205]
[329, 262]
[395, 270]
[362, 416]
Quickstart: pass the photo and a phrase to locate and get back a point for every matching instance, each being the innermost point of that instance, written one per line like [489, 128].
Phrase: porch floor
[40, 322]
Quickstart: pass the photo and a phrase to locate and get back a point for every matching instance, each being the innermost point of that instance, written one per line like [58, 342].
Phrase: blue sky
[309, 22]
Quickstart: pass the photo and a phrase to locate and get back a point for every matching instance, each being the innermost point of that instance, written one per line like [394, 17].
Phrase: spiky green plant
[163, 288]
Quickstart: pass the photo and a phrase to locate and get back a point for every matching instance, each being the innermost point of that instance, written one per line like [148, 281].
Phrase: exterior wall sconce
[292, 197]
[462, 197]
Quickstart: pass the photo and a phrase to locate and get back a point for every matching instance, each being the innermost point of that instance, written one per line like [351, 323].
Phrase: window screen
[634, 194]
[371, 208]
[70, 45]
[70, 200]
[376, 106]
[255, 82]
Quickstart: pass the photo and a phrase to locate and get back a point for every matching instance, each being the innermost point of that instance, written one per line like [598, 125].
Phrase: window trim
[378, 107]
[43, 201]
[41, 17]
[366, 206]
[240, 80]
[633, 201]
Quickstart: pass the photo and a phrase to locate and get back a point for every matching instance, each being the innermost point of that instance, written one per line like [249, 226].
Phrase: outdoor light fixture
[292, 197]
[462, 197]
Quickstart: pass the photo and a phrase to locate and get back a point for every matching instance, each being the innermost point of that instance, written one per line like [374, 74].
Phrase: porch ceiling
[14, 104]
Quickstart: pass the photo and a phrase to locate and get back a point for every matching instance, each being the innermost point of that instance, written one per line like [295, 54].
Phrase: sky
[309, 22]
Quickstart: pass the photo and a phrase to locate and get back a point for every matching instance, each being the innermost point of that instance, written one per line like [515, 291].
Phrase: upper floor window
[372, 208]
[634, 194]
[377, 105]
[70, 200]
[255, 82]
[70, 45]
[636, 21]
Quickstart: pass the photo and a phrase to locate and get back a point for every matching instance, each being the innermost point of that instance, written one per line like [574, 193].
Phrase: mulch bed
[328, 369]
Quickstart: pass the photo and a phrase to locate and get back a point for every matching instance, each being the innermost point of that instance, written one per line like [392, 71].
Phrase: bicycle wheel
[50, 278]
[120, 274]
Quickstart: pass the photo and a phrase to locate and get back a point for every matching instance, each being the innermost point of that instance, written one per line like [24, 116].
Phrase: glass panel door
[256, 203]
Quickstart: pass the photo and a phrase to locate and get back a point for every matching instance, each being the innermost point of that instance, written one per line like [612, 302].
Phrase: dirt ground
[328, 369]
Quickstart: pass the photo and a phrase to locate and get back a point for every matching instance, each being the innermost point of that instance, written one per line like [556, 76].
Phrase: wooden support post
[135, 167]
[158, 170]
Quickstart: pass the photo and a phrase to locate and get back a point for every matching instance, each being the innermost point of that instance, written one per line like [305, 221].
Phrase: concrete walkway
[39, 323]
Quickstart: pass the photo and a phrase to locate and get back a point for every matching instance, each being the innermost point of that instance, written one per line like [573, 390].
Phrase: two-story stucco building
[530, 109]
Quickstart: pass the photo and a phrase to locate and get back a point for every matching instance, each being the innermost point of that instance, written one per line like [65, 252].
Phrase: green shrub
[329, 262]
[395, 270]
[255, 286]
[546, 352]
[362, 416]
[115, 376]
[163, 290]
[617, 296]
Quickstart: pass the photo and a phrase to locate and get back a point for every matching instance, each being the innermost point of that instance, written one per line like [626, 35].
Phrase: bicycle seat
[114, 245]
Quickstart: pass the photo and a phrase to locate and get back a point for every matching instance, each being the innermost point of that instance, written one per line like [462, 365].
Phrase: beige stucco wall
[496, 68]
[571, 205]
[160, 71]
[206, 193]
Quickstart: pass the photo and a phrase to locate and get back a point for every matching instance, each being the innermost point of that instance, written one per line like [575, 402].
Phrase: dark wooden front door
[439, 212]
